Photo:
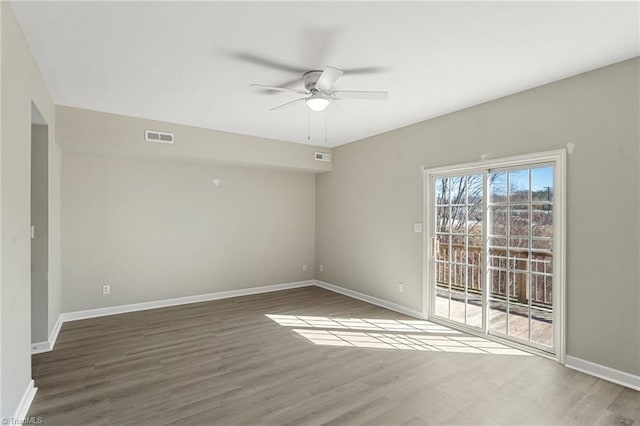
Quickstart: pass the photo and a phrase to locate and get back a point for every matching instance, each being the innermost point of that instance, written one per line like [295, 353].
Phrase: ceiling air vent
[323, 156]
[159, 137]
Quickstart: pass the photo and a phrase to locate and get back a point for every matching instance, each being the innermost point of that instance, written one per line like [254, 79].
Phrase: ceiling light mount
[318, 101]
[310, 79]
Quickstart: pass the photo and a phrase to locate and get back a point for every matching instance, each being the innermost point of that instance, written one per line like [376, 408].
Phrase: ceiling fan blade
[335, 104]
[327, 78]
[288, 104]
[291, 82]
[360, 94]
[280, 89]
[365, 70]
[317, 42]
[266, 62]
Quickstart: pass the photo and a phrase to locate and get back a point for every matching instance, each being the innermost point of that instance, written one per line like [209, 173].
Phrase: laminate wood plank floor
[305, 357]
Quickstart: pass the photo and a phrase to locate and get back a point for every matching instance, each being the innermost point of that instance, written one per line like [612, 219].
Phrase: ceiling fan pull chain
[308, 124]
[325, 126]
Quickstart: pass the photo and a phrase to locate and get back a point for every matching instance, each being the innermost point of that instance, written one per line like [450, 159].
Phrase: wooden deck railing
[523, 268]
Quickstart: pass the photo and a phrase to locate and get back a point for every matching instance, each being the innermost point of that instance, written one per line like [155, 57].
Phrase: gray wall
[157, 228]
[21, 84]
[99, 132]
[367, 204]
[2, 403]
[40, 242]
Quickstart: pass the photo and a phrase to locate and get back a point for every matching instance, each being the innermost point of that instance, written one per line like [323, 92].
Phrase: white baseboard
[369, 299]
[40, 347]
[121, 309]
[603, 372]
[25, 403]
[46, 346]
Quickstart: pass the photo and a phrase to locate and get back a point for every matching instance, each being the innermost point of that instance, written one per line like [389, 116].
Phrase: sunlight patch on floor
[390, 334]
[412, 326]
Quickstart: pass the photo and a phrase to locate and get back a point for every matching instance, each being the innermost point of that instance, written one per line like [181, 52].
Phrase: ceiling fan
[318, 93]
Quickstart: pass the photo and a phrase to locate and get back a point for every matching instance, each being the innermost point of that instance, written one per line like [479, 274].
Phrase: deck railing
[512, 271]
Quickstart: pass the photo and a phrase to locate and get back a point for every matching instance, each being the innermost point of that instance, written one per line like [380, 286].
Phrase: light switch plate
[417, 227]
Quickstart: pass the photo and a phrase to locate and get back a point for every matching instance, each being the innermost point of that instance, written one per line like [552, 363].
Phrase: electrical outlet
[321, 268]
[304, 268]
[106, 289]
[400, 287]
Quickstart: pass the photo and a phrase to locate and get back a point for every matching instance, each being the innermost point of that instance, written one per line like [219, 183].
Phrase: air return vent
[157, 136]
[323, 156]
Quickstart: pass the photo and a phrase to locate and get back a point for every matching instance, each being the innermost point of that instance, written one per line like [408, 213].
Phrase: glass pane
[458, 275]
[519, 262]
[498, 284]
[475, 238]
[498, 187]
[498, 258]
[519, 186]
[474, 309]
[541, 263]
[474, 278]
[474, 256]
[442, 191]
[541, 291]
[548, 289]
[498, 225]
[542, 244]
[457, 306]
[519, 220]
[474, 190]
[444, 248]
[458, 219]
[542, 327]
[442, 273]
[458, 242]
[497, 242]
[497, 316]
[457, 194]
[474, 224]
[518, 287]
[443, 220]
[474, 214]
[518, 243]
[542, 184]
[542, 220]
[519, 322]
[442, 303]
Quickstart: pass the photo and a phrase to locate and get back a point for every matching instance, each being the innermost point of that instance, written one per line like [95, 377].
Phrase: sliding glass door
[457, 248]
[521, 253]
[492, 261]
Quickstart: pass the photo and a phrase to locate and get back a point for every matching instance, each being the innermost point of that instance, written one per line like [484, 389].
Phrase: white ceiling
[178, 61]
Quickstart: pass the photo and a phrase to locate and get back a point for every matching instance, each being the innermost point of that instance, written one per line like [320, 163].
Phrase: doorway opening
[39, 227]
[494, 249]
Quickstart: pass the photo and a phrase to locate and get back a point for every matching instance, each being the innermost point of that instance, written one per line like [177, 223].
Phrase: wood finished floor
[226, 363]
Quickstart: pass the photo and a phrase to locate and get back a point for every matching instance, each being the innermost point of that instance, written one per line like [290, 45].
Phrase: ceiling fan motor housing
[310, 78]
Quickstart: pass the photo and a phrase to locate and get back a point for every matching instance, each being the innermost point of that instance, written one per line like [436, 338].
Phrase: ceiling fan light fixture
[317, 103]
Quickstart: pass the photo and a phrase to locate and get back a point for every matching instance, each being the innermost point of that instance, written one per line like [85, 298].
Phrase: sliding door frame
[558, 159]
